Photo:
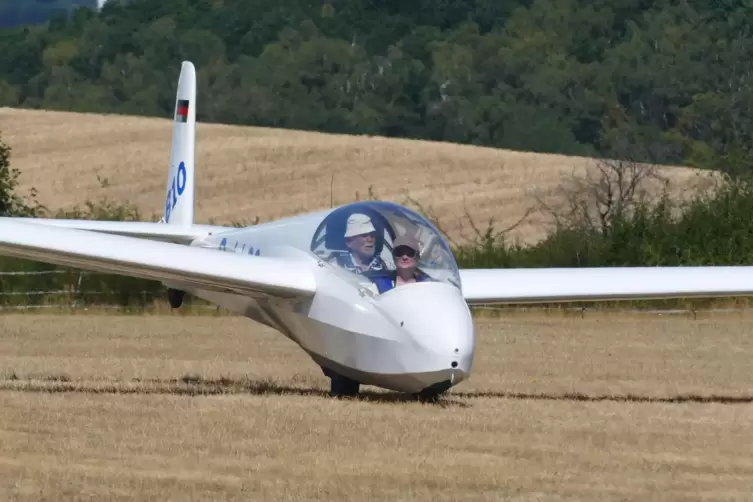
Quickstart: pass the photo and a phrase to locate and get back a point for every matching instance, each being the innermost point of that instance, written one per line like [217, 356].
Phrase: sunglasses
[404, 251]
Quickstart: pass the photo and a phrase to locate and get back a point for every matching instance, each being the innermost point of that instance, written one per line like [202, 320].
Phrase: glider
[306, 276]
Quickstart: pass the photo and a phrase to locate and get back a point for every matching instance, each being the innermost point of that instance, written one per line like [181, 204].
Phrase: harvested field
[608, 407]
[248, 172]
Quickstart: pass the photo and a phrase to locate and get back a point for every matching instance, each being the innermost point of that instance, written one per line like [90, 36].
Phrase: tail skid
[179, 195]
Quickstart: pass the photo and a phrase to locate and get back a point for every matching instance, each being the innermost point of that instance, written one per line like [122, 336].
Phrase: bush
[711, 228]
[11, 204]
[31, 282]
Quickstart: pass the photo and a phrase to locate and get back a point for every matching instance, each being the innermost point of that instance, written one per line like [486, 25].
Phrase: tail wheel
[175, 297]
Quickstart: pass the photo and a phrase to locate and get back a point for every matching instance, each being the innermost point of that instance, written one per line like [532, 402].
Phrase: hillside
[245, 172]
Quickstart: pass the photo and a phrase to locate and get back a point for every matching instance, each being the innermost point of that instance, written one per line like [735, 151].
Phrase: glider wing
[162, 261]
[556, 285]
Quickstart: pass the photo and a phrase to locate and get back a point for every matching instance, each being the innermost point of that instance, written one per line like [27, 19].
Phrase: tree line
[672, 79]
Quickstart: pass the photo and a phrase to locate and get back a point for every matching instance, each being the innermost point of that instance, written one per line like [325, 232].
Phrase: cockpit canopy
[389, 221]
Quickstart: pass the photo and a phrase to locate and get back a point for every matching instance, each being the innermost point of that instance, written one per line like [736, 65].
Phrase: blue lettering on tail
[176, 188]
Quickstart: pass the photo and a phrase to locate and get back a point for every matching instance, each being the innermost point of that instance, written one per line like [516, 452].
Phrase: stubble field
[248, 172]
[605, 407]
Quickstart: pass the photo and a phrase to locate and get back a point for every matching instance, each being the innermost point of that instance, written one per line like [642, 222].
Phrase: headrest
[407, 240]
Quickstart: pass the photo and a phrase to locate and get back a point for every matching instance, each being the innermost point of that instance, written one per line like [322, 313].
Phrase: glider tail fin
[179, 195]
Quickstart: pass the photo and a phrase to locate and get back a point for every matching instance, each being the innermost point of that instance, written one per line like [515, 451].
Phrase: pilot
[406, 252]
[360, 238]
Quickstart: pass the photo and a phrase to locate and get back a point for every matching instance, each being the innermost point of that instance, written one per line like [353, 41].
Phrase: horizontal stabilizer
[186, 265]
[555, 285]
[143, 230]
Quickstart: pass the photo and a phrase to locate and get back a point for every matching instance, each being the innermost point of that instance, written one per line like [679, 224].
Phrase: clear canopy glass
[386, 221]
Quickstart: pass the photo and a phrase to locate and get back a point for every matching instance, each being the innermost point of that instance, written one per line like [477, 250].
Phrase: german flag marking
[181, 111]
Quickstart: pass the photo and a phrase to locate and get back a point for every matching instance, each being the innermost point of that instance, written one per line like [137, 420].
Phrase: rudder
[179, 195]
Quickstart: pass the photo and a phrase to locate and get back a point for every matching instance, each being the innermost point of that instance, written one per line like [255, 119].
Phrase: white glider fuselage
[413, 338]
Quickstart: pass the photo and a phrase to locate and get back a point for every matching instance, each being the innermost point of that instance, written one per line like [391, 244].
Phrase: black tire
[175, 297]
[343, 386]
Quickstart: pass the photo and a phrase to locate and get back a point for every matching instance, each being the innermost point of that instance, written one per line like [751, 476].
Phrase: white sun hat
[358, 224]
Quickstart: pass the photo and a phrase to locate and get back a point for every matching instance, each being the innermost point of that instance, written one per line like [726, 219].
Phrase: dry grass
[248, 172]
[609, 407]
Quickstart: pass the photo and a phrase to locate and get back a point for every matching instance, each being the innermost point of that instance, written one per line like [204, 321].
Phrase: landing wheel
[175, 297]
[343, 386]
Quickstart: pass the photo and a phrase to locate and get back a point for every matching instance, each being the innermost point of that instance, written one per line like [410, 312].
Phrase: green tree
[11, 204]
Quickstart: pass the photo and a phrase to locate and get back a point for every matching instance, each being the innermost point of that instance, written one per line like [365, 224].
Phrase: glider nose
[438, 321]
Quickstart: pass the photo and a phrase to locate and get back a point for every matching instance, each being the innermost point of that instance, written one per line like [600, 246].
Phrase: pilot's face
[405, 257]
[363, 245]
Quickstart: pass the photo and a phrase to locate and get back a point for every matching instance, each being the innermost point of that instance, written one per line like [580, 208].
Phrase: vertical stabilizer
[179, 197]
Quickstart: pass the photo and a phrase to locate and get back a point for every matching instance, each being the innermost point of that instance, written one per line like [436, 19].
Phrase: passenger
[360, 238]
[406, 253]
